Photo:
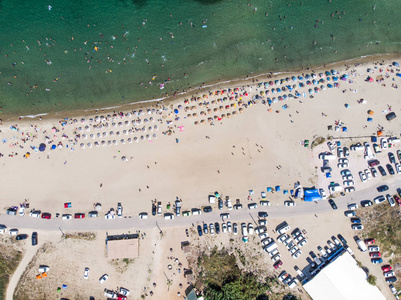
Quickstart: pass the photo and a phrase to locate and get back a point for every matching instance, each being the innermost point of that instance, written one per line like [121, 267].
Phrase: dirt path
[29, 254]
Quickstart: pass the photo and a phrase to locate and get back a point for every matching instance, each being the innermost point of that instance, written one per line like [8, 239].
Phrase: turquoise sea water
[48, 60]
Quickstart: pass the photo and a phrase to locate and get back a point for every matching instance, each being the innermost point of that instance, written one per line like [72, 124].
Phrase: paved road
[277, 211]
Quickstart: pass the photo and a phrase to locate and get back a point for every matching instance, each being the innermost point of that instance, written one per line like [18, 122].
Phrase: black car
[390, 169]
[220, 204]
[200, 230]
[382, 171]
[333, 204]
[207, 209]
[262, 214]
[34, 238]
[391, 279]
[153, 209]
[366, 203]
[21, 237]
[391, 158]
[342, 239]
[382, 188]
[217, 226]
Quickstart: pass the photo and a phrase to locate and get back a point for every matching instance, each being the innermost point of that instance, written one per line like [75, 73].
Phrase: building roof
[342, 279]
[124, 248]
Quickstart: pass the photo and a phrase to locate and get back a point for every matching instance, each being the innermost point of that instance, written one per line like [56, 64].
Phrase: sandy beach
[229, 139]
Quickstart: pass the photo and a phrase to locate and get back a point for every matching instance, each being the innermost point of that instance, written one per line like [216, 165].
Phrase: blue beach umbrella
[327, 73]
[396, 64]
[176, 111]
[300, 78]
[54, 147]
[42, 147]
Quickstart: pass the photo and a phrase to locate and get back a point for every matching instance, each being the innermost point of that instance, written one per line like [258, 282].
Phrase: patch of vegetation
[372, 279]
[9, 260]
[88, 236]
[223, 280]
[317, 141]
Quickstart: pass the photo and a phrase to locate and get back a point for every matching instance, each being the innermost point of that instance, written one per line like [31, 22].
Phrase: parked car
[376, 260]
[382, 188]
[264, 203]
[333, 204]
[207, 209]
[373, 163]
[350, 213]
[375, 254]
[225, 216]
[79, 216]
[345, 173]
[103, 278]
[352, 206]
[356, 221]
[13, 231]
[229, 227]
[211, 228]
[342, 239]
[369, 241]
[368, 174]
[397, 199]
[357, 226]
[390, 200]
[362, 176]
[388, 274]
[34, 238]
[235, 228]
[289, 203]
[86, 273]
[94, 214]
[205, 228]
[200, 233]
[390, 169]
[35, 213]
[382, 171]
[393, 289]
[379, 199]
[168, 216]
[374, 172]
[262, 214]
[66, 217]
[46, 216]
[366, 203]
[252, 206]
[21, 237]
[143, 215]
[119, 210]
[391, 158]
[391, 279]
[398, 168]
[237, 206]
[217, 226]
[11, 211]
[278, 264]
[386, 268]
[373, 249]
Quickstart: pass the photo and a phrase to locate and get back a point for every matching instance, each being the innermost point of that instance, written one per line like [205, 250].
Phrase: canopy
[312, 195]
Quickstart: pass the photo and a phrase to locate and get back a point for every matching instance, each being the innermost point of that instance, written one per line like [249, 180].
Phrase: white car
[348, 177]
[321, 250]
[119, 210]
[225, 216]
[66, 217]
[368, 174]
[384, 144]
[349, 189]
[143, 215]
[262, 222]
[86, 273]
[252, 205]
[348, 182]
[342, 166]
[276, 257]
[229, 227]
[103, 278]
[282, 237]
[390, 200]
[263, 195]
[229, 204]
[21, 210]
[124, 291]
[340, 152]
[296, 254]
[345, 172]
[374, 172]
[289, 203]
[35, 214]
[264, 203]
[352, 206]
[362, 176]
[250, 229]
[224, 227]
[13, 231]
[263, 236]
[343, 161]
[302, 243]
[388, 274]
[398, 168]
[168, 216]
[109, 216]
[373, 248]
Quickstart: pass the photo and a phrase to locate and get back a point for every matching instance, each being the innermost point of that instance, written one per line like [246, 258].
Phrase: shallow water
[143, 42]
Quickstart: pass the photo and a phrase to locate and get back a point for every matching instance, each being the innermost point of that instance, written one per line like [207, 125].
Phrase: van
[361, 245]
[335, 188]
[327, 156]
[212, 199]
[196, 211]
[283, 229]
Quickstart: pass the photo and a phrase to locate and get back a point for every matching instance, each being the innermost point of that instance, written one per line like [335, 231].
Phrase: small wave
[34, 116]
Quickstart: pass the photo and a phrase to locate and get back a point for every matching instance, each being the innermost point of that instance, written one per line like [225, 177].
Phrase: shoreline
[9, 118]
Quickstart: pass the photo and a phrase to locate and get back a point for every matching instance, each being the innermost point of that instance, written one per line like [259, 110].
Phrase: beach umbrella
[398, 74]
[396, 64]
[371, 112]
[42, 147]
[53, 147]
[330, 86]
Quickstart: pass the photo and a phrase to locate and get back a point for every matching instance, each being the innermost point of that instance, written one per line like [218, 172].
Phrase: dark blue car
[355, 221]
[200, 230]
[205, 229]
[376, 260]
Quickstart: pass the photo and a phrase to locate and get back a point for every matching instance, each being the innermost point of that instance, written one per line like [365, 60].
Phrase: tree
[372, 279]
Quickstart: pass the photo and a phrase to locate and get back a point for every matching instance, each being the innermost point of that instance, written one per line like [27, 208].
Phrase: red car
[46, 216]
[397, 199]
[369, 241]
[121, 297]
[79, 216]
[386, 268]
[375, 254]
[278, 264]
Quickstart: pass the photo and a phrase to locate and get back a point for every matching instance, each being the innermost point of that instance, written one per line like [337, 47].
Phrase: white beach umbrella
[129, 140]
[122, 141]
[89, 145]
[155, 136]
[82, 145]
[114, 142]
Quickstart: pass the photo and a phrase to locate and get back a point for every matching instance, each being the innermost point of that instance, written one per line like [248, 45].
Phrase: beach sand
[259, 147]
